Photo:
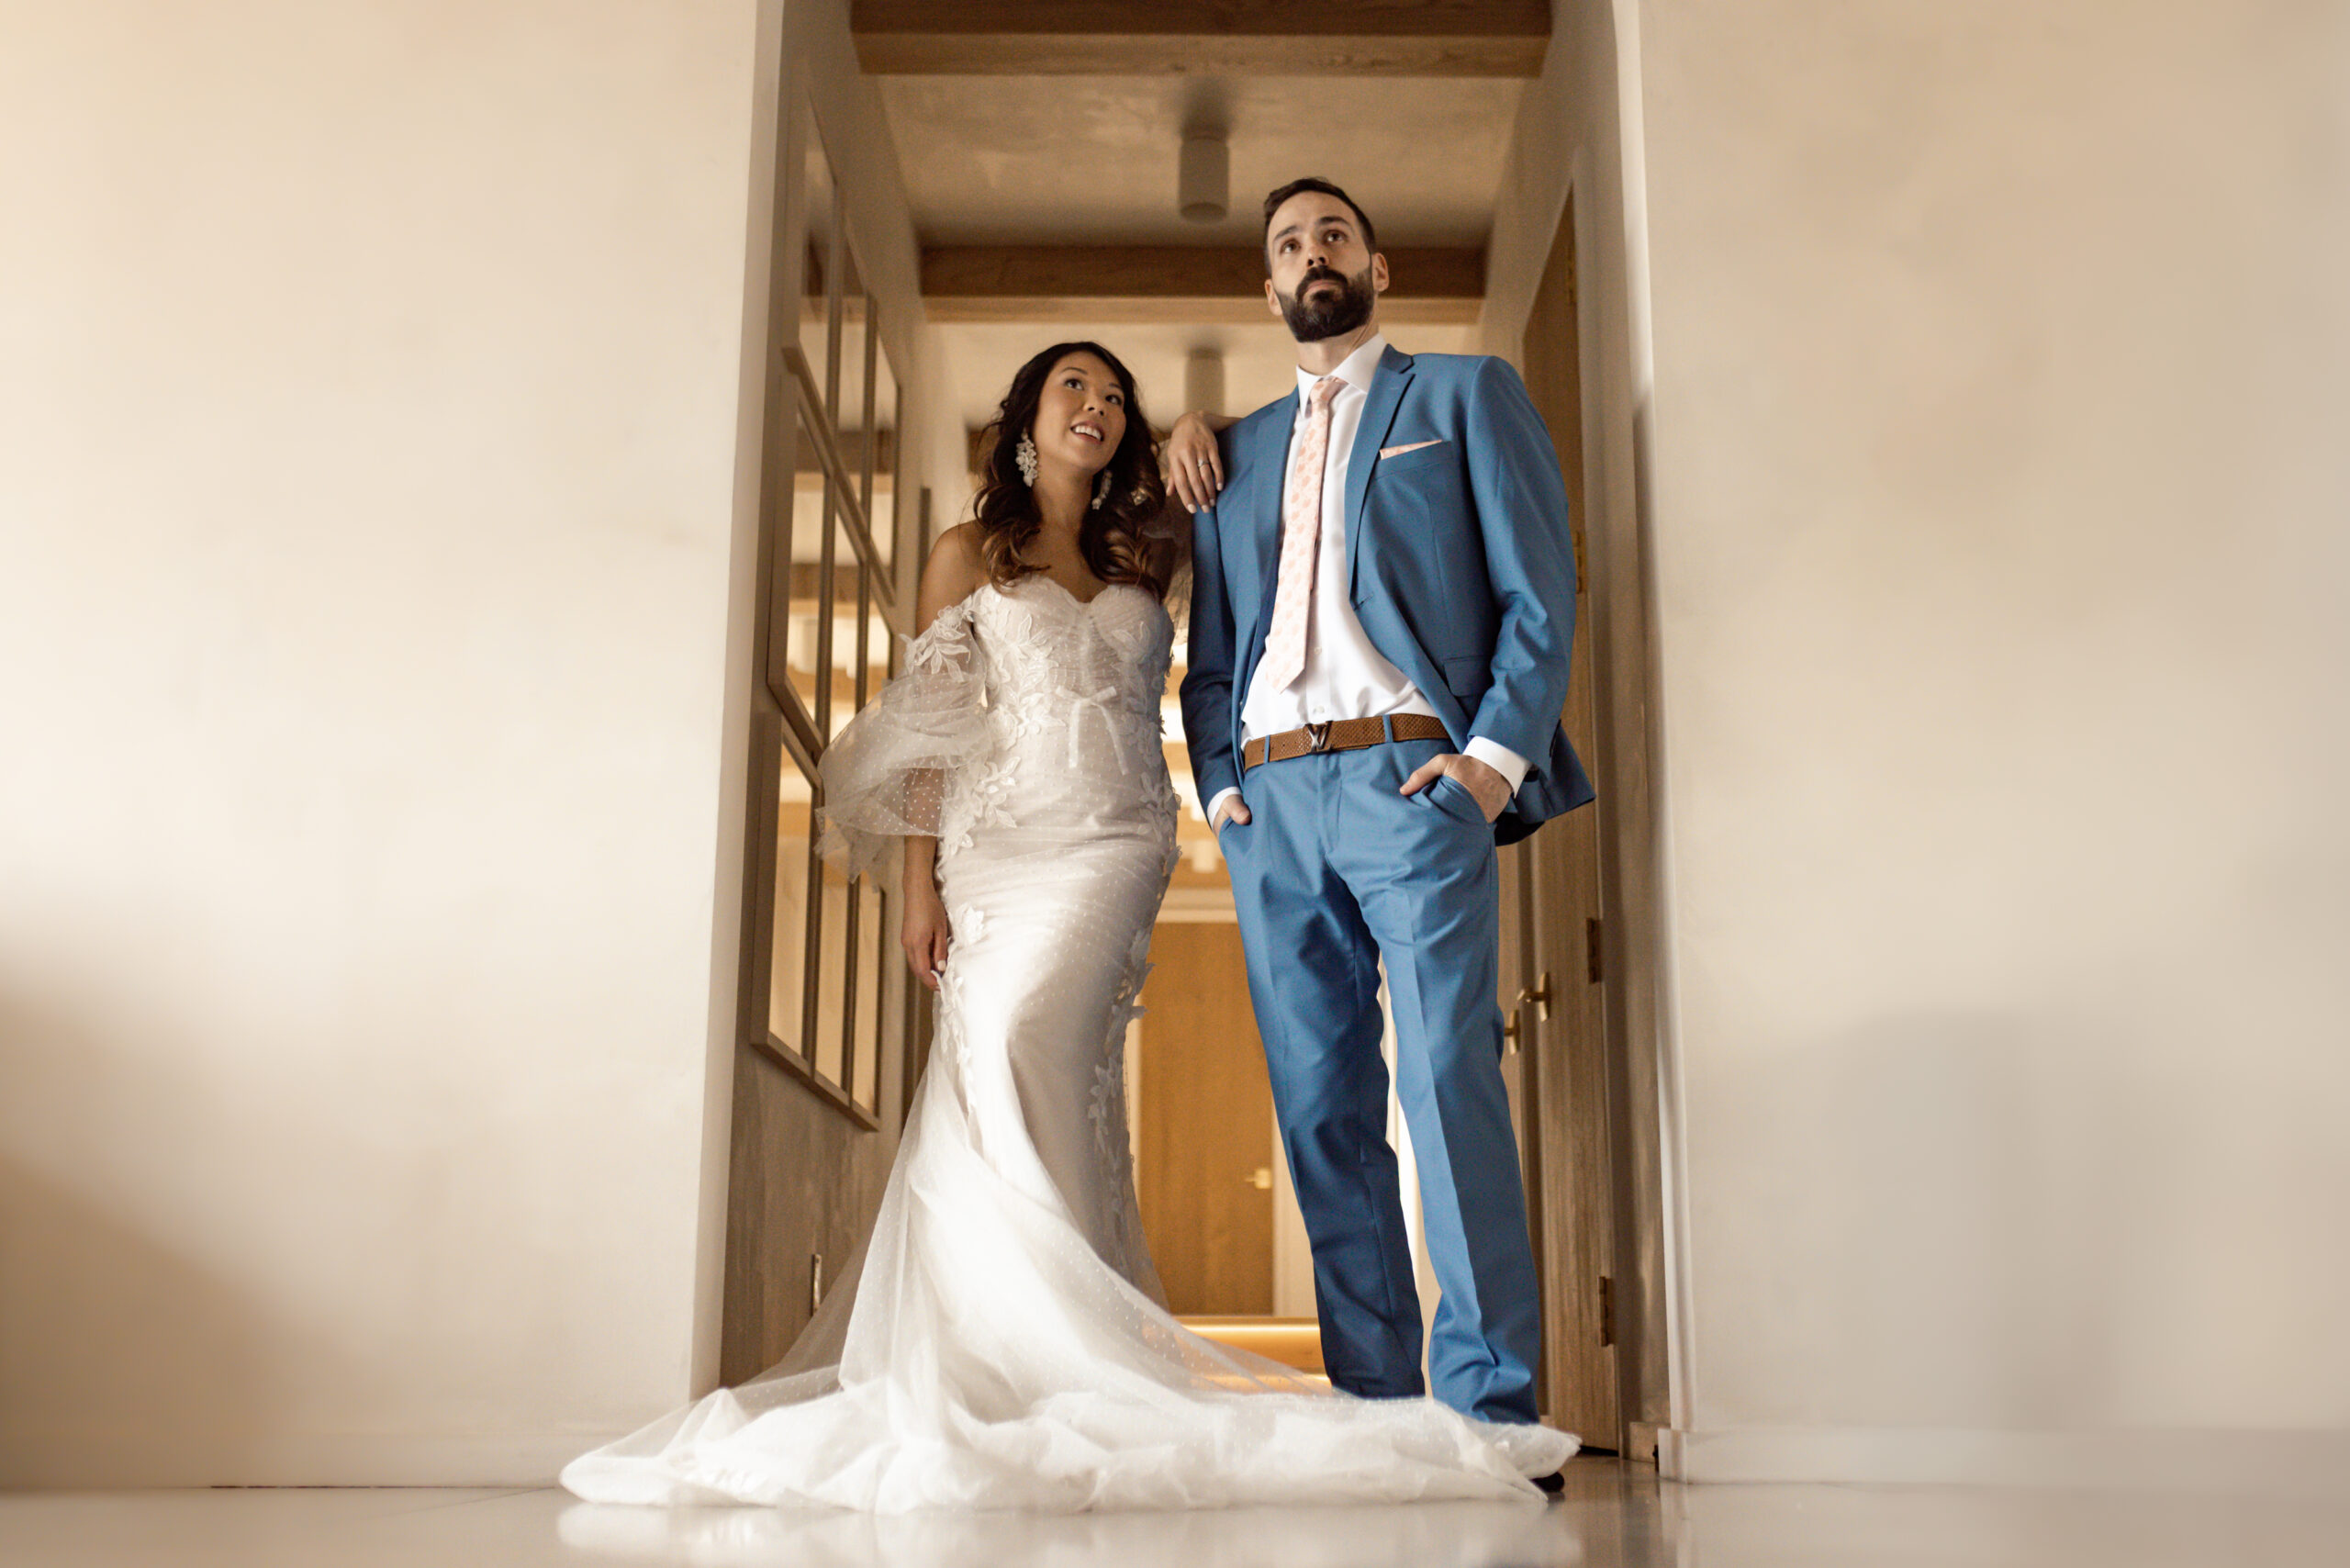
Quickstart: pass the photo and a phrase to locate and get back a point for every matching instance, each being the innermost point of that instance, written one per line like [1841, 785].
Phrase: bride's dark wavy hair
[1006, 509]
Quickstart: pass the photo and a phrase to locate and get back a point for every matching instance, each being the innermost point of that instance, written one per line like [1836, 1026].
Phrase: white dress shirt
[1345, 675]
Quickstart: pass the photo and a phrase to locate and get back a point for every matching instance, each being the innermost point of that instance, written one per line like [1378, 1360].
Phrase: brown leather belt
[1341, 735]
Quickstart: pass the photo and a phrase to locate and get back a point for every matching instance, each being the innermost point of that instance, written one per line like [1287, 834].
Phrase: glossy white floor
[1611, 1516]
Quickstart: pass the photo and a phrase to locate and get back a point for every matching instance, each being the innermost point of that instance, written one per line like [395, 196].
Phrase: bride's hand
[1192, 463]
[925, 936]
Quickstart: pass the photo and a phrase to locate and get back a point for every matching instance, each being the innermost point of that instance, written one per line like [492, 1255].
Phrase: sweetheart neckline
[1086, 604]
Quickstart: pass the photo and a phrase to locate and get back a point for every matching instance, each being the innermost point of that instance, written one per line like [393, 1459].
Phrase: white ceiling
[1091, 161]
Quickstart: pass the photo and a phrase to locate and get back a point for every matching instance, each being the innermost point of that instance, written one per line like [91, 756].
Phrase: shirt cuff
[1498, 757]
[1229, 792]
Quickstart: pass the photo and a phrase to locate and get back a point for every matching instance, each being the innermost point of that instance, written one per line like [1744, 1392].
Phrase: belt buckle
[1318, 736]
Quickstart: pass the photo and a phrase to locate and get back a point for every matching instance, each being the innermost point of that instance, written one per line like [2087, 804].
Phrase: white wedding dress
[1004, 1342]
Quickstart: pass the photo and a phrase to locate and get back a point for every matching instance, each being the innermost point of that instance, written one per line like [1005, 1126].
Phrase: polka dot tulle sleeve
[892, 772]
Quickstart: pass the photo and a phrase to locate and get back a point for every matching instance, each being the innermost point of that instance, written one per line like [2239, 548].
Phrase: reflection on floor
[1612, 1517]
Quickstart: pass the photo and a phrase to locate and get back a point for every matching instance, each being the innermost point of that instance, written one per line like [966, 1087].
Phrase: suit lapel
[1378, 418]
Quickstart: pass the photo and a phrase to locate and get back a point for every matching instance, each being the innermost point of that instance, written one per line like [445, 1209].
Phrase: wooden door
[1560, 1031]
[1205, 1126]
[823, 1005]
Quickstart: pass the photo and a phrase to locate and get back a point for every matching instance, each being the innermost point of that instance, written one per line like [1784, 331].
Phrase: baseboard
[2253, 1463]
[88, 1459]
[1641, 1438]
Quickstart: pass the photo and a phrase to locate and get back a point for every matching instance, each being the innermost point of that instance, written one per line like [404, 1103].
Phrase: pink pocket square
[1414, 446]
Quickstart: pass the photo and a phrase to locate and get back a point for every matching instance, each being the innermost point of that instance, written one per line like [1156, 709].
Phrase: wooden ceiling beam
[1127, 284]
[1201, 38]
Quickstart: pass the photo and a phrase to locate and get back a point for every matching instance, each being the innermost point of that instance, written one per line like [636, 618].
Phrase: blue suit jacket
[1457, 560]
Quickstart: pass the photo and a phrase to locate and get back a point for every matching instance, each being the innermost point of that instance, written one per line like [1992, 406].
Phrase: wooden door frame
[794, 1130]
[1614, 573]
[1645, 1120]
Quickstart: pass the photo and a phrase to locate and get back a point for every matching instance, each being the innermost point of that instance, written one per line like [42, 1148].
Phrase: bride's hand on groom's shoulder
[1192, 463]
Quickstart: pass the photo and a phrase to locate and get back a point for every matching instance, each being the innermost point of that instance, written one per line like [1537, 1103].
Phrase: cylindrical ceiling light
[1203, 178]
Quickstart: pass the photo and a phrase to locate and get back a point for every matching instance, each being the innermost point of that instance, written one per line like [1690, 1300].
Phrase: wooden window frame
[790, 732]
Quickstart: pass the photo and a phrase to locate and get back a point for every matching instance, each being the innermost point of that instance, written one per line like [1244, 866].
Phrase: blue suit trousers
[1335, 870]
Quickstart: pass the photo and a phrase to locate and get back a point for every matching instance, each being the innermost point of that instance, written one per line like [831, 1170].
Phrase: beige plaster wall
[368, 471]
[2004, 598]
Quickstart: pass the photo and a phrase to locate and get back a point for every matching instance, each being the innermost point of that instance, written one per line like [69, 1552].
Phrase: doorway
[1009, 252]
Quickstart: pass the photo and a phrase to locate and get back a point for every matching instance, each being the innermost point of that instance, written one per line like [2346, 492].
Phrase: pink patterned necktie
[1300, 542]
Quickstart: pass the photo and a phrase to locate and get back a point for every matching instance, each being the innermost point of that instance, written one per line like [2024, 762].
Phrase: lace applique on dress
[1108, 1108]
[1108, 1112]
[1006, 691]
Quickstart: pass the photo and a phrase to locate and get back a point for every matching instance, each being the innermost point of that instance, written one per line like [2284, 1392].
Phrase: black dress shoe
[1555, 1483]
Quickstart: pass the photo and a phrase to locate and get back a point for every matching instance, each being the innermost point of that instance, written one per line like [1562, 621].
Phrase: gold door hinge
[1261, 1178]
[815, 1281]
[1607, 1310]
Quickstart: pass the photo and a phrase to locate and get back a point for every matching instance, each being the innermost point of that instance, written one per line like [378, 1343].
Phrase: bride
[1004, 1342]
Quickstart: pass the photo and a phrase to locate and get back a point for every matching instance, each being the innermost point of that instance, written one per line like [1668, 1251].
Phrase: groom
[1383, 599]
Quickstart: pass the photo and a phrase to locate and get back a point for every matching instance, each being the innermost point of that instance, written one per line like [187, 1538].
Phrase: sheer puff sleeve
[888, 774]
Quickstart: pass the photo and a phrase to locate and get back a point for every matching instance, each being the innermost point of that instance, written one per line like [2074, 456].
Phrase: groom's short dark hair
[1311, 183]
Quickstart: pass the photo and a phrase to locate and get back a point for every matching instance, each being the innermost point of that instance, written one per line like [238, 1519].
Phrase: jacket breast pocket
[1422, 498]
[1420, 455]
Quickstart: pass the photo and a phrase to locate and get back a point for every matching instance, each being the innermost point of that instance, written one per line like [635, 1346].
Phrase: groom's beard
[1328, 315]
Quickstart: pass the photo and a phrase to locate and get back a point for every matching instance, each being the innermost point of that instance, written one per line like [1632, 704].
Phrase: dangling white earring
[1142, 495]
[1101, 489]
[1025, 457]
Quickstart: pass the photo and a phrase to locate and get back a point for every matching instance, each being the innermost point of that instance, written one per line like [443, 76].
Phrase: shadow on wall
[119, 1355]
[1927, 1222]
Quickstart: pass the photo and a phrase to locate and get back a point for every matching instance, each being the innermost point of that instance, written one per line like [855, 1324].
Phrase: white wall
[367, 481]
[2004, 595]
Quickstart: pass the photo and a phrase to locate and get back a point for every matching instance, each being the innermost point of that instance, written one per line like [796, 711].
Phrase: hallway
[462, 465]
[1612, 1517]
[942, 208]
